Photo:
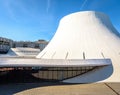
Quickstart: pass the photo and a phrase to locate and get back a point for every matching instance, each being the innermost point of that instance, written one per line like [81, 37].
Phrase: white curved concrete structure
[26, 52]
[86, 42]
[87, 35]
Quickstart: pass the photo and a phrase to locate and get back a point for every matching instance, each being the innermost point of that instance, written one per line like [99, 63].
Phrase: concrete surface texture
[87, 35]
[29, 62]
[60, 89]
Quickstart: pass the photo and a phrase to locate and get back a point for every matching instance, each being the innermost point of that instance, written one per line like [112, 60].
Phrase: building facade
[5, 44]
[40, 44]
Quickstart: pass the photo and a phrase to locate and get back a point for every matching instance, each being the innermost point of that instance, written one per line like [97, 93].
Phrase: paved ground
[47, 88]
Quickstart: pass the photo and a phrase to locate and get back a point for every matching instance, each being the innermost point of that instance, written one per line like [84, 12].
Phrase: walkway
[47, 88]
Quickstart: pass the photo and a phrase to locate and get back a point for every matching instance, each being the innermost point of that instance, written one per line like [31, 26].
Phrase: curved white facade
[87, 35]
[88, 32]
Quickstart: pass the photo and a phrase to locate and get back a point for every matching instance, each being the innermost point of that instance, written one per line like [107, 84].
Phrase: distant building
[37, 44]
[42, 44]
[24, 44]
[5, 44]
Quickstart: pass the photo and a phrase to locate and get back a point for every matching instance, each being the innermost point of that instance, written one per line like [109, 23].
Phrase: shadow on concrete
[13, 82]
[20, 76]
[16, 81]
[13, 88]
[93, 76]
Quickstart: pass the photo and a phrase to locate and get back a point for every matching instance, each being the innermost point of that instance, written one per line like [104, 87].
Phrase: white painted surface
[90, 33]
[29, 52]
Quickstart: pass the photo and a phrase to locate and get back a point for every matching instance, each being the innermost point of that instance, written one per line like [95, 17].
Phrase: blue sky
[38, 19]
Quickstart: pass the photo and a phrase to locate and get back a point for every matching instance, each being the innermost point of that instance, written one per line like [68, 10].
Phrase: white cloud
[13, 7]
[48, 5]
[83, 4]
